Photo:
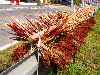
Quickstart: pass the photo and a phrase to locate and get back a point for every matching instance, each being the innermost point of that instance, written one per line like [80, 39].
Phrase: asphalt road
[31, 11]
[6, 11]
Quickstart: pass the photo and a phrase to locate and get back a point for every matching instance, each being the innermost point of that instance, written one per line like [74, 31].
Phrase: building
[98, 3]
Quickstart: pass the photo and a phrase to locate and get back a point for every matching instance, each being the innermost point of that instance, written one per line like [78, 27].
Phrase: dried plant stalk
[61, 34]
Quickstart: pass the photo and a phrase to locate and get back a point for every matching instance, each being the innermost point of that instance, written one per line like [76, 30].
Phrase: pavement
[21, 3]
[29, 66]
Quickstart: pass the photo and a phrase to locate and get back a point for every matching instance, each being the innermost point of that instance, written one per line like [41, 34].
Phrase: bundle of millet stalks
[58, 34]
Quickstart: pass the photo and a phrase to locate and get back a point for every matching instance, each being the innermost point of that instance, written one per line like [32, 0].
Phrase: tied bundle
[58, 34]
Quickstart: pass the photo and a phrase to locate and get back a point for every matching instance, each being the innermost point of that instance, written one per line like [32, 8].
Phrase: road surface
[31, 11]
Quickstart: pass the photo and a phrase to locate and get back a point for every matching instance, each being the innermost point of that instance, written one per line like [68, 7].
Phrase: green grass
[77, 2]
[87, 60]
[5, 57]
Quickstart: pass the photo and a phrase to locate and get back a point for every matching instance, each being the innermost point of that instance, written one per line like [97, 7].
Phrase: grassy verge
[6, 59]
[87, 60]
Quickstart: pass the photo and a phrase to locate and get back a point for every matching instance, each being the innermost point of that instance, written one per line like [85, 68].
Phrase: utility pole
[72, 3]
[83, 3]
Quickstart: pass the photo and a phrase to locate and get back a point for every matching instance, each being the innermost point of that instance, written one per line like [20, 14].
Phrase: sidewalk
[21, 3]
